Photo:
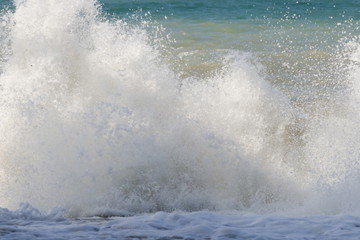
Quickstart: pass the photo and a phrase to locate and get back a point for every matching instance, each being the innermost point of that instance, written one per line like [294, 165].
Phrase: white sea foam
[94, 120]
[23, 224]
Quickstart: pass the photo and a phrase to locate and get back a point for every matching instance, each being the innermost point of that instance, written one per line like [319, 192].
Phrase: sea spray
[334, 145]
[72, 87]
[95, 119]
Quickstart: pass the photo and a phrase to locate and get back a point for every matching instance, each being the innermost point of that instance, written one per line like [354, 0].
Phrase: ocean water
[173, 119]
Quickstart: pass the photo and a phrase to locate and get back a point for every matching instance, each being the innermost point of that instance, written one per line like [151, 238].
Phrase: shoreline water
[180, 225]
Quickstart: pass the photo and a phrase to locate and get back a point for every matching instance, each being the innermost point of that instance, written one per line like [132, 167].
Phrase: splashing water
[93, 117]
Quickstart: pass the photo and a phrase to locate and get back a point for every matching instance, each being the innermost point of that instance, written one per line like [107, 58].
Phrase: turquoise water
[296, 41]
[254, 26]
[228, 10]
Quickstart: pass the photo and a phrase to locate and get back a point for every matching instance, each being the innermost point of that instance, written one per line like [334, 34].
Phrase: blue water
[302, 35]
[212, 10]
[247, 25]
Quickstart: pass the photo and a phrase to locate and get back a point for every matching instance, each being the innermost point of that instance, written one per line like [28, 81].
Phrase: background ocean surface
[179, 119]
[290, 38]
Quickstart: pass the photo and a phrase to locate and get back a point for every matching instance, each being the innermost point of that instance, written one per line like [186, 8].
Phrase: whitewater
[110, 130]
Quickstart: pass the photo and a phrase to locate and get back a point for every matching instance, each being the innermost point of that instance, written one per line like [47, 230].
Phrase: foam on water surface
[26, 224]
